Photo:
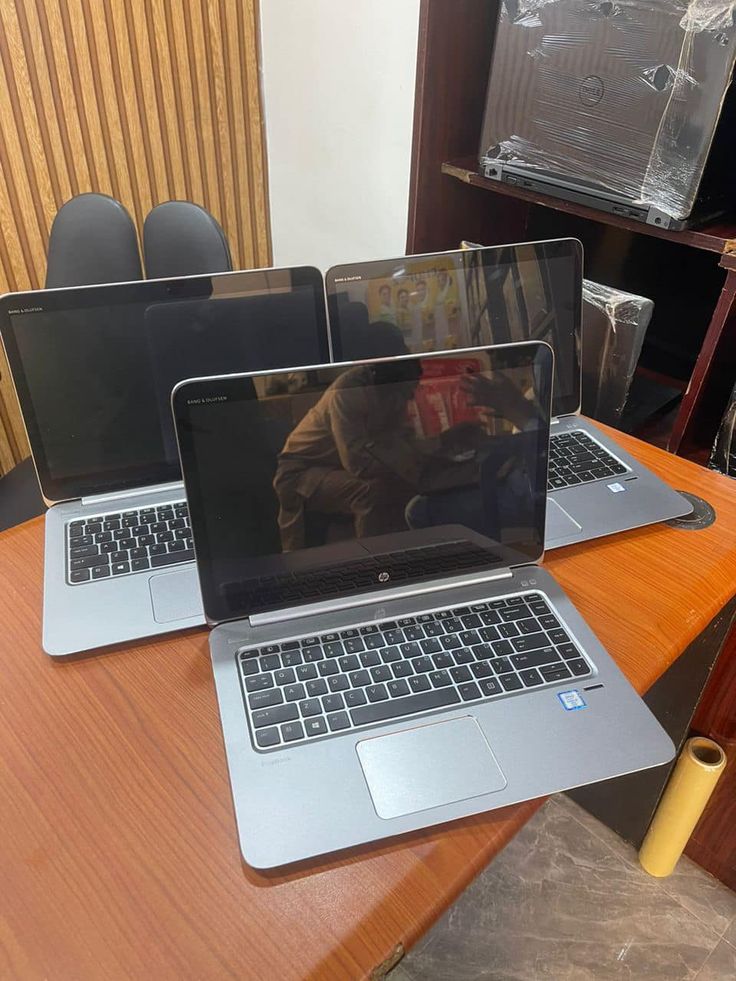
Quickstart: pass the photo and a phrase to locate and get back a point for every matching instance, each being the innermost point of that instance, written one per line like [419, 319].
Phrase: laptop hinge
[365, 599]
[136, 492]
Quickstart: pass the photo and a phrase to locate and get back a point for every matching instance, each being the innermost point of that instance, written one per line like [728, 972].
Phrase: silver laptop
[93, 369]
[387, 652]
[495, 295]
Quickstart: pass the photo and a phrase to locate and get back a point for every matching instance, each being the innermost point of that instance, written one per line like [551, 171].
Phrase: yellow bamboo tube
[693, 780]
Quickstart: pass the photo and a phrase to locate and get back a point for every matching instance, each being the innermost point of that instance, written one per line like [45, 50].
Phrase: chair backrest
[614, 326]
[183, 239]
[93, 240]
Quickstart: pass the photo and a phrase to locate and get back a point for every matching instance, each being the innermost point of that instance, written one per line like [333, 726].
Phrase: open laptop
[531, 291]
[387, 652]
[93, 369]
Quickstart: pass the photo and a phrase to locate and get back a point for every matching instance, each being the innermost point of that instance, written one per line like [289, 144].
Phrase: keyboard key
[139, 565]
[460, 674]
[87, 563]
[530, 626]
[370, 629]
[482, 669]
[472, 620]
[534, 658]
[394, 637]
[359, 679]
[139, 553]
[93, 527]
[443, 660]
[267, 737]
[440, 679]
[316, 687]
[483, 652]
[433, 630]
[120, 568]
[531, 677]
[396, 707]
[166, 536]
[407, 621]
[315, 727]
[332, 703]
[79, 540]
[501, 665]
[568, 651]
[469, 691]
[172, 558]
[338, 683]
[265, 699]
[491, 618]
[294, 693]
[369, 659]
[422, 665]
[140, 530]
[338, 721]
[397, 688]
[284, 676]
[306, 672]
[558, 636]
[290, 659]
[311, 706]
[514, 613]
[390, 654]
[376, 693]
[510, 682]
[419, 683]
[83, 551]
[354, 697]
[578, 667]
[530, 643]
[470, 637]
[373, 641]
[548, 621]
[403, 669]
[349, 662]
[431, 646]
[258, 682]
[410, 649]
[463, 656]
[326, 668]
[119, 556]
[157, 550]
[450, 642]
[502, 647]
[490, 686]
[312, 654]
[249, 666]
[292, 731]
[176, 546]
[414, 633]
[272, 662]
[488, 634]
[507, 630]
[555, 672]
[274, 716]
[354, 646]
[101, 572]
[381, 673]
[79, 575]
[335, 649]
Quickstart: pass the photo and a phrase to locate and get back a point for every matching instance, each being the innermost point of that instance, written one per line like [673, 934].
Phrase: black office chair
[183, 239]
[92, 240]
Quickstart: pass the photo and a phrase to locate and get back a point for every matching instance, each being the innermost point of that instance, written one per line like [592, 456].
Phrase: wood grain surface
[146, 100]
[118, 852]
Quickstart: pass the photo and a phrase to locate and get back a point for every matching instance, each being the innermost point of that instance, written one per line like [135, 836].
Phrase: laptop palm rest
[176, 595]
[559, 525]
[429, 766]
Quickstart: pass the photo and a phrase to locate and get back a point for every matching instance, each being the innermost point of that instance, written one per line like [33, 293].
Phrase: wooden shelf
[718, 236]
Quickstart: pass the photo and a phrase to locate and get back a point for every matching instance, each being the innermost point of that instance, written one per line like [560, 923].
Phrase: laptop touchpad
[429, 766]
[559, 524]
[175, 595]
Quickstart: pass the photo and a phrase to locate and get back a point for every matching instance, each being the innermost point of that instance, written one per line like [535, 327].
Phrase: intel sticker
[616, 488]
[571, 700]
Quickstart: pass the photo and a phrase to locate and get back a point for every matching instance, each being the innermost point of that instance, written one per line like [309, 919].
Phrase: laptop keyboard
[301, 689]
[576, 458]
[126, 542]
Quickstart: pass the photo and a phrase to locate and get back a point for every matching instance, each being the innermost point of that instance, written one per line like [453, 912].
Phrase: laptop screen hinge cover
[365, 599]
[95, 499]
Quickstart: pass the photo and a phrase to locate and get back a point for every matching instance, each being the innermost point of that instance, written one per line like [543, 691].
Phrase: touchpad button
[559, 524]
[429, 766]
[176, 596]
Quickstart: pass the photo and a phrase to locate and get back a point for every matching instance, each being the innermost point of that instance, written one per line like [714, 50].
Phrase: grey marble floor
[567, 901]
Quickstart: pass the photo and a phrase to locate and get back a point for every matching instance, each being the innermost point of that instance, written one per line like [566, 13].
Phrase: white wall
[338, 89]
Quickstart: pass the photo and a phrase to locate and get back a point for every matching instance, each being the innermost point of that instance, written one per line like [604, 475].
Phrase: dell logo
[383, 577]
[591, 90]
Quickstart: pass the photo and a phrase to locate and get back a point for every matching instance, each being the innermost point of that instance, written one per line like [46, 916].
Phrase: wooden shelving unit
[694, 288]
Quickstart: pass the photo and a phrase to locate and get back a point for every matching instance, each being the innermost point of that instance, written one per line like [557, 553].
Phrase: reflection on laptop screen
[466, 298]
[95, 367]
[363, 476]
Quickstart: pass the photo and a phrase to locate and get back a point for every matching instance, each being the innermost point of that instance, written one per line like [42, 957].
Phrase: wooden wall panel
[146, 100]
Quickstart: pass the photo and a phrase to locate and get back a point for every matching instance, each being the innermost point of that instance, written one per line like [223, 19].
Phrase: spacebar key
[172, 558]
[380, 711]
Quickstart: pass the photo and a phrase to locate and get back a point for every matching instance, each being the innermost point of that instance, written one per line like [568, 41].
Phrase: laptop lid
[464, 298]
[94, 366]
[365, 476]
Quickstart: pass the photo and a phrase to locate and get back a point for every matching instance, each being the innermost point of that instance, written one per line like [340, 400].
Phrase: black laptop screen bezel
[564, 248]
[239, 388]
[14, 305]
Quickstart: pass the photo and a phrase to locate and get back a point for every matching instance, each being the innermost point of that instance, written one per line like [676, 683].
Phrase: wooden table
[118, 851]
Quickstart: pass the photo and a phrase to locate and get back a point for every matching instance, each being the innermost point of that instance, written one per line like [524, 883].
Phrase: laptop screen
[94, 366]
[466, 298]
[358, 477]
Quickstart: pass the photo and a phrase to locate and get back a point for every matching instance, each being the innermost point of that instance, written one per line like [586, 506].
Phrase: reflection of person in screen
[422, 301]
[403, 313]
[386, 312]
[353, 454]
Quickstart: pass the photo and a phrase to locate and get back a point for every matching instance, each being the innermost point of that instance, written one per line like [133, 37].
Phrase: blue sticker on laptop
[571, 700]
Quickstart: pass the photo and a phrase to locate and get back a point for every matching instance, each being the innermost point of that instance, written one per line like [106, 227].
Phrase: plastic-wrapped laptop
[615, 105]
[388, 653]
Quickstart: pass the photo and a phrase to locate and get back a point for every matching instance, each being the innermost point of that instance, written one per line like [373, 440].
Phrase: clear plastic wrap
[617, 97]
[614, 325]
[723, 457]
